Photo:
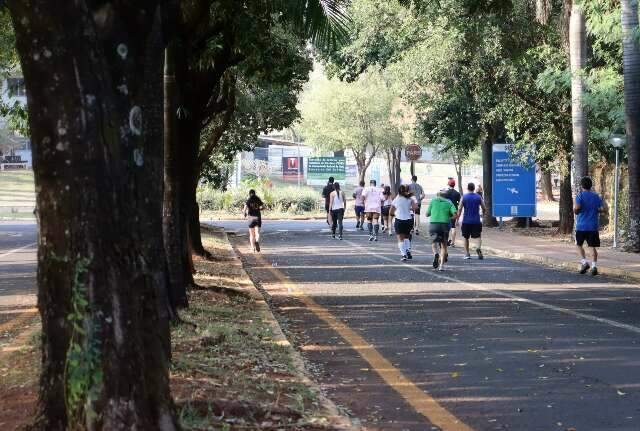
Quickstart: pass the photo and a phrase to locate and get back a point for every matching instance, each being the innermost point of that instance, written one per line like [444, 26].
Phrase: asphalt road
[486, 345]
[17, 269]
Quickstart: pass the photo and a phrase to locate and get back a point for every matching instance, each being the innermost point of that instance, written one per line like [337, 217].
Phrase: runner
[387, 201]
[472, 222]
[440, 213]
[372, 209]
[326, 192]
[382, 225]
[401, 209]
[253, 213]
[416, 190]
[338, 204]
[359, 205]
[453, 195]
[587, 207]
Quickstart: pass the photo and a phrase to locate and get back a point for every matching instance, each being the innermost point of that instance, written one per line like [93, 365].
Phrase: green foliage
[291, 199]
[83, 372]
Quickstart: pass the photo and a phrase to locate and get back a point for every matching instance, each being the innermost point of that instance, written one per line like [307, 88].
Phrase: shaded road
[488, 345]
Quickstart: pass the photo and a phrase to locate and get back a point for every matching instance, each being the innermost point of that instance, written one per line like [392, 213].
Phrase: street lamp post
[617, 141]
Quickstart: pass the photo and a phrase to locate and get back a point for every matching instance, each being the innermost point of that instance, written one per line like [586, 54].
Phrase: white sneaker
[467, 257]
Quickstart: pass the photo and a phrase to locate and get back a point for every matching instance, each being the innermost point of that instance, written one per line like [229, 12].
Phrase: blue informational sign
[514, 185]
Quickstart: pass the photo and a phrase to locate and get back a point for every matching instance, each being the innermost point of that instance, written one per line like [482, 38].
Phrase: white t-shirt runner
[403, 208]
[372, 200]
[357, 192]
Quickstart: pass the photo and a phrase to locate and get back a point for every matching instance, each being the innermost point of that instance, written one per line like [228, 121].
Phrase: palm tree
[631, 62]
[324, 22]
[578, 58]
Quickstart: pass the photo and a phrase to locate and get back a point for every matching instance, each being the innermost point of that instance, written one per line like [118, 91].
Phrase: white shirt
[403, 207]
[372, 200]
[358, 196]
[338, 202]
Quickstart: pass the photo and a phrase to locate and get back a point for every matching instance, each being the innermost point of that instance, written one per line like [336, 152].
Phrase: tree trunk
[565, 208]
[546, 186]
[487, 154]
[394, 156]
[631, 62]
[361, 162]
[578, 59]
[95, 114]
[174, 225]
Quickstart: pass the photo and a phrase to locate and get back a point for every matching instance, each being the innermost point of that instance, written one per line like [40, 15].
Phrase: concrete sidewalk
[552, 252]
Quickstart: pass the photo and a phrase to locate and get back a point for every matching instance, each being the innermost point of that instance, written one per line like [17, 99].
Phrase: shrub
[286, 199]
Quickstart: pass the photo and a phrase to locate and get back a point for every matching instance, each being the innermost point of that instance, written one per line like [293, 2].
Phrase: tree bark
[487, 175]
[631, 66]
[565, 208]
[394, 156]
[578, 59]
[546, 186]
[95, 114]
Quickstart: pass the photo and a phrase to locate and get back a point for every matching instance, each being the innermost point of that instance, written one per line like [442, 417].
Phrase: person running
[588, 206]
[471, 204]
[326, 192]
[359, 205]
[372, 209]
[401, 209]
[454, 196]
[253, 213]
[382, 225]
[440, 213]
[387, 201]
[338, 204]
[416, 190]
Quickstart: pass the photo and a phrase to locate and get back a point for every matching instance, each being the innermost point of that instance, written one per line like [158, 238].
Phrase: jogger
[440, 211]
[372, 209]
[416, 190]
[401, 209]
[472, 222]
[253, 213]
[387, 201]
[359, 205]
[337, 204]
[588, 206]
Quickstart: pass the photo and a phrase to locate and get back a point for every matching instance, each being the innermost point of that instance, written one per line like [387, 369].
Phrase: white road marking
[577, 314]
[15, 250]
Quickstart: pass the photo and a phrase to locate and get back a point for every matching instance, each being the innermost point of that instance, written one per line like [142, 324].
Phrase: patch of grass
[228, 373]
[17, 195]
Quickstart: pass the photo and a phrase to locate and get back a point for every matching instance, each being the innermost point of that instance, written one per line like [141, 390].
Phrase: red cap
[452, 182]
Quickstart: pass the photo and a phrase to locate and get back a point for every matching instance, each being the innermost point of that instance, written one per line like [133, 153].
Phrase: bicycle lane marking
[517, 298]
[420, 400]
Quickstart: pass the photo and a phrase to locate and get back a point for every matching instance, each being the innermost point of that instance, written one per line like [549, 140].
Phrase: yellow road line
[422, 402]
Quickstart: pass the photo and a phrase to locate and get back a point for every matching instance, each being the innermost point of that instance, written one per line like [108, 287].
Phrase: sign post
[319, 169]
[514, 185]
[413, 152]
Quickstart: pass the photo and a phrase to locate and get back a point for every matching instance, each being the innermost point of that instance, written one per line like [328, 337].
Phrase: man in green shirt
[440, 213]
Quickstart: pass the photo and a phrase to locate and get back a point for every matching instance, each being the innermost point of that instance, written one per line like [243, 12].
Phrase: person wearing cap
[416, 190]
[471, 226]
[440, 213]
[453, 195]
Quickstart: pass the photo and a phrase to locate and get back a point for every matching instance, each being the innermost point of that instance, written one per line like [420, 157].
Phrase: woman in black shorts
[387, 200]
[253, 213]
[401, 208]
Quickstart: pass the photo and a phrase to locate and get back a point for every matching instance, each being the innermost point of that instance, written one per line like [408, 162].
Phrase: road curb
[336, 420]
[563, 264]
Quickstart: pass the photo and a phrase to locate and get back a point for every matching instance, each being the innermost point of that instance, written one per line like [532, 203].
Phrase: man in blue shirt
[587, 208]
[471, 227]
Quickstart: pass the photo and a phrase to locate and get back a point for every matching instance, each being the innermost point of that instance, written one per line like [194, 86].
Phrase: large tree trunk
[546, 186]
[95, 113]
[631, 60]
[394, 156]
[578, 59]
[487, 154]
[565, 208]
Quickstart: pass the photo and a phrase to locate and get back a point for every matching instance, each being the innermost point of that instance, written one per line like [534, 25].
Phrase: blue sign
[514, 185]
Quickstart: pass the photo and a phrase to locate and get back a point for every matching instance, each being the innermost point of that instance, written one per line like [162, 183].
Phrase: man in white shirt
[372, 209]
[359, 205]
[416, 190]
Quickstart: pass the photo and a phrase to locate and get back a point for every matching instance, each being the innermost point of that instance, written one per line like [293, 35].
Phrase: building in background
[13, 146]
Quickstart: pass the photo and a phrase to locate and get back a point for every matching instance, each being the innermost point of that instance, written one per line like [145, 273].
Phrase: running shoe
[584, 268]
[594, 271]
[357, 224]
[449, 243]
[384, 228]
[370, 237]
[375, 238]
[340, 237]
[440, 269]
[333, 236]
[409, 255]
[480, 255]
[257, 246]
[436, 261]
[417, 232]
[404, 258]
[361, 227]
[467, 256]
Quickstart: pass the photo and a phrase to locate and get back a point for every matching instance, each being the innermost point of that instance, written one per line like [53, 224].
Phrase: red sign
[413, 152]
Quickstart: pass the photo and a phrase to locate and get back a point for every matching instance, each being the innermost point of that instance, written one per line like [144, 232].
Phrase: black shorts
[439, 232]
[470, 230]
[403, 227]
[255, 222]
[592, 237]
[385, 210]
